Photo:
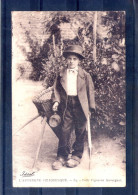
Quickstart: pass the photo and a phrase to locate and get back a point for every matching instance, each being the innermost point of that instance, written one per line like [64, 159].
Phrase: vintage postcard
[68, 99]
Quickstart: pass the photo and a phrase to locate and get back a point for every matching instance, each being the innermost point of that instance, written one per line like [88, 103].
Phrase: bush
[108, 72]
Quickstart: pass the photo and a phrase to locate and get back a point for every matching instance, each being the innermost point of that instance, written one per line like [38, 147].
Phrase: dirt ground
[108, 166]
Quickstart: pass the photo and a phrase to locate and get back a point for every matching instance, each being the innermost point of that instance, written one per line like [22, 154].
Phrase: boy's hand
[55, 106]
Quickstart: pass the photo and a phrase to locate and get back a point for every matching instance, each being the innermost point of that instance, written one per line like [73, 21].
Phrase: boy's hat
[74, 49]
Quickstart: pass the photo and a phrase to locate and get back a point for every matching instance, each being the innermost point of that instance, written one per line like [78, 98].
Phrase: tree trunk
[94, 36]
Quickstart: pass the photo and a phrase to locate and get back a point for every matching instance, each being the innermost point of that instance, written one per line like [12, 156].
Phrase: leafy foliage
[108, 72]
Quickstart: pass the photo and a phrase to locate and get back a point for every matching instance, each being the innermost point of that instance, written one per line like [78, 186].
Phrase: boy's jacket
[85, 90]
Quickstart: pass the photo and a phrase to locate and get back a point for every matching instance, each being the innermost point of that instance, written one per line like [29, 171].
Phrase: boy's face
[72, 61]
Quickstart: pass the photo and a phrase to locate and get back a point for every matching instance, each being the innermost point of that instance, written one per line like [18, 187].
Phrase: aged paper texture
[38, 42]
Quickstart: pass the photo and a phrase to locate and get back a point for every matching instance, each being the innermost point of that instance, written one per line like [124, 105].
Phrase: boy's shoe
[58, 164]
[73, 162]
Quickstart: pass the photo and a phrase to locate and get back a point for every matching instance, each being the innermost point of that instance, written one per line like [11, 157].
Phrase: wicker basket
[43, 102]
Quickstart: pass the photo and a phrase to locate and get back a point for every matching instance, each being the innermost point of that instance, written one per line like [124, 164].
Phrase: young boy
[74, 97]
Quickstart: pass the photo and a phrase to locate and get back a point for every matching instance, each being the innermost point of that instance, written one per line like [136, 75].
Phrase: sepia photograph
[68, 99]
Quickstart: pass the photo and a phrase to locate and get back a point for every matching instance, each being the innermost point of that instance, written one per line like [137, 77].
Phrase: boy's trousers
[73, 118]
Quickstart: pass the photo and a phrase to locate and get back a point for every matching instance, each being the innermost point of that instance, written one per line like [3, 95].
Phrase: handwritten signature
[26, 174]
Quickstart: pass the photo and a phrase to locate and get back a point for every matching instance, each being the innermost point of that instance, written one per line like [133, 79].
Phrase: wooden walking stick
[89, 141]
[40, 140]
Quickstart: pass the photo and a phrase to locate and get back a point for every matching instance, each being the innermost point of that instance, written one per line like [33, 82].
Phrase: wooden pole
[54, 46]
[27, 123]
[61, 50]
[89, 140]
[94, 36]
[40, 141]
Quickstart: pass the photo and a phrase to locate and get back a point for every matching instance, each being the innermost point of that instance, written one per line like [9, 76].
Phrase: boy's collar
[80, 72]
